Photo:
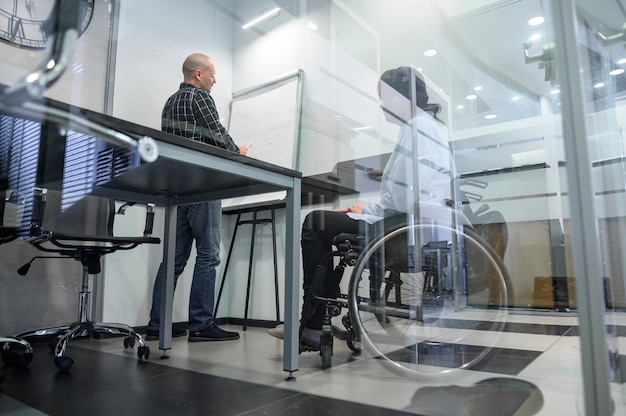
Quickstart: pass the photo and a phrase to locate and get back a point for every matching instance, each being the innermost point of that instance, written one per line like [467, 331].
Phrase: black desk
[187, 172]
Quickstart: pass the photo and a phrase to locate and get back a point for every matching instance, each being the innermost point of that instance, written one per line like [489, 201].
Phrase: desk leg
[292, 280]
[167, 286]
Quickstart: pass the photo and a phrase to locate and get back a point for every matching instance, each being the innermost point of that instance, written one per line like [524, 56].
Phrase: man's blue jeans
[200, 222]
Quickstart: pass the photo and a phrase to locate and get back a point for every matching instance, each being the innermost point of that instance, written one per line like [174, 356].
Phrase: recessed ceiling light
[515, 97]
[490, 116]
[430, 52]
[266, 15]
[478, 88]
[460, 107]
[312, 26]
[617, 71]
[555, 91]
[472, 97]
[599, 85]
[536, 21]
[536, 36]
[622, 61]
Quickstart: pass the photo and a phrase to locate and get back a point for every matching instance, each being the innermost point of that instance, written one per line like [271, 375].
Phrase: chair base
[58, 338]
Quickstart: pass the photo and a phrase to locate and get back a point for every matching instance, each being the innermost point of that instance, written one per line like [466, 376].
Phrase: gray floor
[535, 369]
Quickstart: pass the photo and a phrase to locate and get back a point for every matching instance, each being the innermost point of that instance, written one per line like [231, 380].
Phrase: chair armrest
[147, 232]
[149, 223]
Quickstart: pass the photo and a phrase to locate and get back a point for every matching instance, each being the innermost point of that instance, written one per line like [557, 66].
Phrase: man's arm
[208, 117]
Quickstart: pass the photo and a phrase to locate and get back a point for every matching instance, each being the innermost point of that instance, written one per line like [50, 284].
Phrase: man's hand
[243, 149]
[356, 208]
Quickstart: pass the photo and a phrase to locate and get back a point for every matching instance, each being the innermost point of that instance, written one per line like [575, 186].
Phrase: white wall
[83, 83]
[152, 43]
[150, 50]
[334, 83]
[147, 71]
[339, 94]
[151, 47]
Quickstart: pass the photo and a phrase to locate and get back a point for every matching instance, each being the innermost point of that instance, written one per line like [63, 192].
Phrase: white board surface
[267, 119]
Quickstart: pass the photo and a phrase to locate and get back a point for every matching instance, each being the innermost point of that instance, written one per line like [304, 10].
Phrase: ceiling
[479, 43]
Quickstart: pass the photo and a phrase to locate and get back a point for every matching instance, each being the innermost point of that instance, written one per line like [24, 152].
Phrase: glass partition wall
[531, 94]
[497, 71]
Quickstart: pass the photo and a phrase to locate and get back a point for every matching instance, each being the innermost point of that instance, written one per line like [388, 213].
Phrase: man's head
[394, 90]
[400, 80]
[199, 70]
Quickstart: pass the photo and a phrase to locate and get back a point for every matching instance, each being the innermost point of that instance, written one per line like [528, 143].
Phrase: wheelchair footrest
[307, 348]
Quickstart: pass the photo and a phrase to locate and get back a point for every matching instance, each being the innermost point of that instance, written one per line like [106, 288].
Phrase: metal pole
[586, 254]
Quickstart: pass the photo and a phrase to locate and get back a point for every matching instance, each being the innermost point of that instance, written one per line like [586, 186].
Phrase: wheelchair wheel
[411, 330]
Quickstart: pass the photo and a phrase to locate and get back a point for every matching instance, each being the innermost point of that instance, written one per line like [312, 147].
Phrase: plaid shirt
[190, 112]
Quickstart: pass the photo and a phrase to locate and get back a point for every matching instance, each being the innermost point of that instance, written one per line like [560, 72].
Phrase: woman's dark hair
[400, 80]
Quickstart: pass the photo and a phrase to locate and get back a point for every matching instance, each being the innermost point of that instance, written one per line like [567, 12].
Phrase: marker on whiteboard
[249, 145]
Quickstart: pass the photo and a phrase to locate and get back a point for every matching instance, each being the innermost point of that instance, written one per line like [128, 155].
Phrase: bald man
[190, 112]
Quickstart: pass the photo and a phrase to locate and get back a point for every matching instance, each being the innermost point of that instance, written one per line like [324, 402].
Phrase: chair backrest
[88, 216]
[15, 136]
[10, 218]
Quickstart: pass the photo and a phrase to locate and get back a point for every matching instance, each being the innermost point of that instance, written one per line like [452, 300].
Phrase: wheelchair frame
[352, 251]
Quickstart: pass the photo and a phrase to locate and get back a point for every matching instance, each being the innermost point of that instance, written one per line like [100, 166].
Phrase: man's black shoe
[153, 334]
[212, 333]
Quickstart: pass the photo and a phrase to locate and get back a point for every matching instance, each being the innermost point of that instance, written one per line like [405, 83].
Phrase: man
[190, 112]
[408, 108]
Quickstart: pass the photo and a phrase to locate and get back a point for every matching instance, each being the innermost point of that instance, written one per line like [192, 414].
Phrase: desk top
[190, 171]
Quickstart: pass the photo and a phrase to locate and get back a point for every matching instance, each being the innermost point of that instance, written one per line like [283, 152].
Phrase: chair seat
[115, 240]
[104, 239]
[7, 231]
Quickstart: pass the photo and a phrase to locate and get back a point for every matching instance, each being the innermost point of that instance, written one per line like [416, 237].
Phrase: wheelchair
[416, 313]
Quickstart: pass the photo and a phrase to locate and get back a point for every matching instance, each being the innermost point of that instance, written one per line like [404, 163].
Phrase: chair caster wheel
[11, 357]
[143, 352]
[63, 363]
[129, 342]
[353, 341]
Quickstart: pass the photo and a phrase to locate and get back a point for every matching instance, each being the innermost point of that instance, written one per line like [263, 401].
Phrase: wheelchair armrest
[344, 241]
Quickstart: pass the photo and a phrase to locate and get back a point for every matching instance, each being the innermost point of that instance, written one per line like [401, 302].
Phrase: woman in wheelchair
[416, 175]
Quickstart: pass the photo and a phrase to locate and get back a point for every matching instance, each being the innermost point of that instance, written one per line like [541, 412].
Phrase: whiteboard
[267, 119]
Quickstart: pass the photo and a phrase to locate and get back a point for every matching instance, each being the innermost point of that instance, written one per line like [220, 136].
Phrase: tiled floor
[534, 370]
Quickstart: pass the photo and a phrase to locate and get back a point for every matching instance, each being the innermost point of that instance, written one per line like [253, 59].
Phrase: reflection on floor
[534, 370]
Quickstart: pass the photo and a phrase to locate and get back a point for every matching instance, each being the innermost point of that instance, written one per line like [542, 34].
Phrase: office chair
[88, 250]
